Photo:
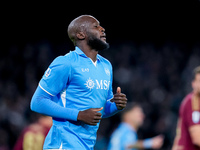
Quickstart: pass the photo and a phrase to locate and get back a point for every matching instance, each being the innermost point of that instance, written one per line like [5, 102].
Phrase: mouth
[103, 37]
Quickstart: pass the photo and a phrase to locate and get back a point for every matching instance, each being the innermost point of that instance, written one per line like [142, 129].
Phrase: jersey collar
[81, 53]
[128, 126]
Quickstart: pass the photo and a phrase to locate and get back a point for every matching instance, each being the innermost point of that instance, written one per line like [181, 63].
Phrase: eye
[96, 26]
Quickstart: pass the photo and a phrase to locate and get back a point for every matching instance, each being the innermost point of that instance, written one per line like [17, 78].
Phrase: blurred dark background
[154, 46]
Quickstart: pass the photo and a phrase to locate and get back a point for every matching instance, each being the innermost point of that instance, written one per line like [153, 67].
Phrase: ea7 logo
[102, 84]
[85, 69]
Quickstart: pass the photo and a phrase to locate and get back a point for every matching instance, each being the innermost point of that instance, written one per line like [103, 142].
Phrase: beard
[97, 44]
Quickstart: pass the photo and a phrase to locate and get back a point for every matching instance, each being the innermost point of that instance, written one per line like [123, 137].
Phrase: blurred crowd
[156, 76]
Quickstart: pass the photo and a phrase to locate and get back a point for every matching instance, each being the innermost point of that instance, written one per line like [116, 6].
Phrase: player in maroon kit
[32, 137]
[188, 127]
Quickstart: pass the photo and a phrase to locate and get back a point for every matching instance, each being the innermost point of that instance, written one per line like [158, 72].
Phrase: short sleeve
[110, 91]
[189, 116]
[129, 139]
[56, 76]
[122, 138]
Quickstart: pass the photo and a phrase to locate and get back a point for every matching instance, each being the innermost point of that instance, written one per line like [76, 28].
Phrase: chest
[88, 77]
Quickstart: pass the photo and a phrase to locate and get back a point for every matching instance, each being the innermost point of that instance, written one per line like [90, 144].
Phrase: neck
[134, 126]
[91, 53]
[197, 94]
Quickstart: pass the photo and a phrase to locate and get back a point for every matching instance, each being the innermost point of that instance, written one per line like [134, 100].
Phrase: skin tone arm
[194, 134]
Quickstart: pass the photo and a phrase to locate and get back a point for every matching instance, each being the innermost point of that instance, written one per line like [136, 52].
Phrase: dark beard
[97, 44]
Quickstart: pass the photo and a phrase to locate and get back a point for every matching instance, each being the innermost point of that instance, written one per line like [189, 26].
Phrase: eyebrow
[97, 22]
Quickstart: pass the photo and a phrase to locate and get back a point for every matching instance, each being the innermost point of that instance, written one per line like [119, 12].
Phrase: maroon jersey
[32, 138]
[189, 115]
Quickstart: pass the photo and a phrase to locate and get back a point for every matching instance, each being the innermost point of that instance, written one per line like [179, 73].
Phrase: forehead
[92, 20]
[136, 109]
[197, 76]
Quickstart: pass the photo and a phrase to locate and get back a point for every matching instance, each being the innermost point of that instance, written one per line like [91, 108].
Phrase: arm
[154, 143]
[42, 103]
[138, 145]
[110, 109]
[194, 131]
[53, 82]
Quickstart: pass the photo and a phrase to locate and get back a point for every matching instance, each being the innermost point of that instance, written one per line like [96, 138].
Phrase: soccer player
[125, 136]
[76, 89]
[188, 126]
[32, 137]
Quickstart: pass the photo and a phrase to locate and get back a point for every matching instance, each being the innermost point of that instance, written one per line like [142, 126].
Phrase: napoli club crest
[107, 72]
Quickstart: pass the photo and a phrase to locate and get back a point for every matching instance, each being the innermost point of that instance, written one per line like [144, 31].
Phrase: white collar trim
[95, 63]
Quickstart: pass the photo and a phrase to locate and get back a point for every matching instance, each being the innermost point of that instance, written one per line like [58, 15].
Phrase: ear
[80, 35]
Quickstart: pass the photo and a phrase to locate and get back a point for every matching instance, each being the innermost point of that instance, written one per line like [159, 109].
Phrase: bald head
[79, 24]
[85, 32]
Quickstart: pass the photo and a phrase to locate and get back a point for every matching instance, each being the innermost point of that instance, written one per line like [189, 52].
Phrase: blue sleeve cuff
[72, 114]
[114, 107]
[147, 143]
[110, 109]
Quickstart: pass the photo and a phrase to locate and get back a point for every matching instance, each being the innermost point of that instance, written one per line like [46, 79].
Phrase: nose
[101, 29]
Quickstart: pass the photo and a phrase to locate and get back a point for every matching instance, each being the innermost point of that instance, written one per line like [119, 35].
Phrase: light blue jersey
[122, 137]
[77, 83]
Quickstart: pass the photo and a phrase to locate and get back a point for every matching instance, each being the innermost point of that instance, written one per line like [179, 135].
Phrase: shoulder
[101, 58]
[186, 103]
[127, 135]
[186, 100]
[104, 60]
[122, 130]
[64, 60]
